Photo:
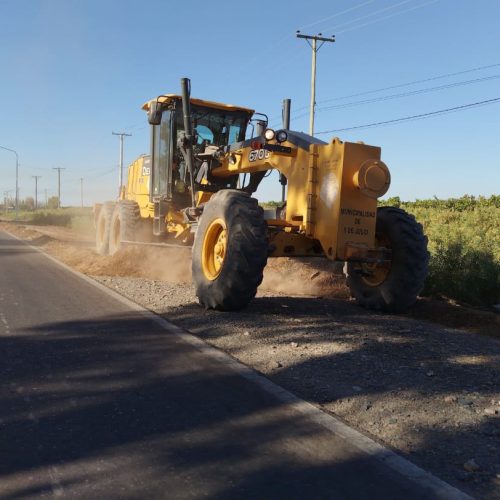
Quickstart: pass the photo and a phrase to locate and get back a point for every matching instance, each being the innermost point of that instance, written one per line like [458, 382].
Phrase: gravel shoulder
[430, 392]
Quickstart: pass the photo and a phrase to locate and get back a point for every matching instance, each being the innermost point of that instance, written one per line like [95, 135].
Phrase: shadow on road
[421, 387]
[119, 407]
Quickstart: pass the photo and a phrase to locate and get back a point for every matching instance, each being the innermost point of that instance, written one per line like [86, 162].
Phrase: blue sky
[71, 72]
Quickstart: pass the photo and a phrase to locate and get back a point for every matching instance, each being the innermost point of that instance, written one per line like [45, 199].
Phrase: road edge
[438, 487]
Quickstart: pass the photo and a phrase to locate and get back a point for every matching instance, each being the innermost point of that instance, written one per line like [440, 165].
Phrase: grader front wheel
[392, 286]
[230, 251]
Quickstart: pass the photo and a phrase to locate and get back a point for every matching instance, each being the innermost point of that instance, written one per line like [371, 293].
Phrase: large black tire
[405, 277]
[103, 228]
[124, 224]
[234, 284]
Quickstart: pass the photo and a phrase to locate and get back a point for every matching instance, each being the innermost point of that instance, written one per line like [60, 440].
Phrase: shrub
[464, 242]
[464, 274]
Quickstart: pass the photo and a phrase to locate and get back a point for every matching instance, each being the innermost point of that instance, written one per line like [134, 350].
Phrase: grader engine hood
[350, 178]
[332, 188]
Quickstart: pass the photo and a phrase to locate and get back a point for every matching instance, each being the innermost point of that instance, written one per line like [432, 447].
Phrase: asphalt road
[98, 401]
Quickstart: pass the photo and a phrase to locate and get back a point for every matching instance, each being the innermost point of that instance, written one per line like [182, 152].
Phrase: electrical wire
[414, 117]
[407, 84]
[104, 173]
[374, 13]
[286, 38]
[400, 85]
[411, 93]
[338, 14]
[386, 17]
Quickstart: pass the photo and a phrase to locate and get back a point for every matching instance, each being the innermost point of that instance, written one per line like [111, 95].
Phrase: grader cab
[196, 188]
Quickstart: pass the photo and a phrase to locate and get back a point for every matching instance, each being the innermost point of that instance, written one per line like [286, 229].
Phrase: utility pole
[36, 177]
[58, 185]
[5, 199]
[81, 191]
[17, 178]
[315, 48]
[46, 199]
[120, 177]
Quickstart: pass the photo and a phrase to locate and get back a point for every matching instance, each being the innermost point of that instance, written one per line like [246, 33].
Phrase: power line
[415, 117]
[407, 84]
[102, 174]
[338, 14]
[411, 93]
[374, 13]
[400, 85]
[388, 16]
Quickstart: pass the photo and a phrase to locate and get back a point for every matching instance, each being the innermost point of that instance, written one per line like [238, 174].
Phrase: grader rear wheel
[394, 286]
[124, 224]
[230, 251]
[103, 228]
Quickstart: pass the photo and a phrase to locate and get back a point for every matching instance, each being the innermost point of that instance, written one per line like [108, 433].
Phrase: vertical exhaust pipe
[188, 133]
[287, 104]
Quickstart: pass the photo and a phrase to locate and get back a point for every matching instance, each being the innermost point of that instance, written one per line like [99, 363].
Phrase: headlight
[269, 134]
[281, 136]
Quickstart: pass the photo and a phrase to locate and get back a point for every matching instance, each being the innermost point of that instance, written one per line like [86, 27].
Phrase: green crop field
[464, 242]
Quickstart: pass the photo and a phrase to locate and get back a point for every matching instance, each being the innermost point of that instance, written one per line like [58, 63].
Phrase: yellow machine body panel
[332, 190]
[138, 185]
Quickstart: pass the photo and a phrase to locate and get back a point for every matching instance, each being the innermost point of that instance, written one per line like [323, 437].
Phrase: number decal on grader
[258, 154]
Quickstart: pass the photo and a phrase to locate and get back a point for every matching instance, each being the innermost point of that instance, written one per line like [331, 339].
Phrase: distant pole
[46, 199]
[314, 46]
[120, 176]
[5, 199]
[58, 185]
[81, 191]
[36, 177]
[17, 178]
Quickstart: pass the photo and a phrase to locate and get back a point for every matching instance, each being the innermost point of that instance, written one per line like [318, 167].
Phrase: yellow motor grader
[195, 188]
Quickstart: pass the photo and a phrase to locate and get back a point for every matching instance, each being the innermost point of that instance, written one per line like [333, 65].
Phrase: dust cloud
[164, 264]
[283, 275]
[314, 277]
[305, 276]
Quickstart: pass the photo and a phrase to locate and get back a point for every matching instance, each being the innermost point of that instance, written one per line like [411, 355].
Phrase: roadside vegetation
[80, 219]
[464, 242]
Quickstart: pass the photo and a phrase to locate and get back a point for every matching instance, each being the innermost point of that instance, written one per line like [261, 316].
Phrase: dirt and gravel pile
[431, 393]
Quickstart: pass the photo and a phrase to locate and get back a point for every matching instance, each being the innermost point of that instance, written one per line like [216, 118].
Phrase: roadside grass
[80, 219]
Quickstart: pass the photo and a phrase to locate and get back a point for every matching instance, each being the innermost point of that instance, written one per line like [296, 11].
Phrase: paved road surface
[98, 401]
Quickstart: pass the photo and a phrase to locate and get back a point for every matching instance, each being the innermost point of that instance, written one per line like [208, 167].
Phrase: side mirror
[154, 113]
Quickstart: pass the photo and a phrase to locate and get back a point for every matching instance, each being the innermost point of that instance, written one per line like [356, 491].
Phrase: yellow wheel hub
[214, 249]
[376, 274]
